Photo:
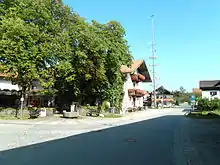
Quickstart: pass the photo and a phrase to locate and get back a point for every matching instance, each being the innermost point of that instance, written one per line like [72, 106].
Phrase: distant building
[197, 91]
[210, 89]
[164, 96]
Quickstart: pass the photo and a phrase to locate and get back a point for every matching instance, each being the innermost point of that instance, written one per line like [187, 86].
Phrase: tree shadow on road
[186, 110]
[154, 142]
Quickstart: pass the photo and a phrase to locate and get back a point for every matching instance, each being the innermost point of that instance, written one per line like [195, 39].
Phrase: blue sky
[187, 35]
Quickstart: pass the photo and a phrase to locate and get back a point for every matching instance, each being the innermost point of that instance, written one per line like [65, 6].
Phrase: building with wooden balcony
[134, 93]
[164, 96]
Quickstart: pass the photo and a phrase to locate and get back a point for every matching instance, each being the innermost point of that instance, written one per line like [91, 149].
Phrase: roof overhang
[209, 85]
[162, 90]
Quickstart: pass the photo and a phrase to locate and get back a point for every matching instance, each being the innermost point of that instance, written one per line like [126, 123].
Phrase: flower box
[131, 92]
[134, 77]
[137, 77]
[141, 77]
[140, 93]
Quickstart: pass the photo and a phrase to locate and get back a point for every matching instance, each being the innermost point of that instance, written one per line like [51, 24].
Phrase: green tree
[182, 89]
[92, 68]
[18, 51]
[118, 54]
[31, 41]
[45, 40]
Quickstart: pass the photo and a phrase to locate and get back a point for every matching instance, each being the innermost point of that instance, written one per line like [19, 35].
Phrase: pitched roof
[209, 84]
[162, 90]
[3, 75]
[8, 75]
[135, 64]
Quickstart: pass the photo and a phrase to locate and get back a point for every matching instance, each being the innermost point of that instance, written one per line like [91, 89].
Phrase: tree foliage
[204, 104]
[182, 96]
[182, 90]
[46, 40]
[31, 40]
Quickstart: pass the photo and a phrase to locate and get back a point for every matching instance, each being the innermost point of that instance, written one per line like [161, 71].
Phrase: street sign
[193, 98]
[193, 101]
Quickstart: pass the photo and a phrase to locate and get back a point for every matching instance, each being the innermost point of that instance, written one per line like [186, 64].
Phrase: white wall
[139, 102]
[206, 94]
[127, 101]
[139, 86]
[5, 84]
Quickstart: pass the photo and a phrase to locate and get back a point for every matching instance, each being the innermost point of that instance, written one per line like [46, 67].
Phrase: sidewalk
[139, 116]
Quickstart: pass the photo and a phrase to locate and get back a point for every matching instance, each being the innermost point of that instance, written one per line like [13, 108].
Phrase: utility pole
[153, 57]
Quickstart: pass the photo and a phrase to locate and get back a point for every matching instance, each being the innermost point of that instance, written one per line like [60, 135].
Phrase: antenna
[153, 58]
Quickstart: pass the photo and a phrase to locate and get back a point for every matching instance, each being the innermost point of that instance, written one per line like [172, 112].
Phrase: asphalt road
[163, 140]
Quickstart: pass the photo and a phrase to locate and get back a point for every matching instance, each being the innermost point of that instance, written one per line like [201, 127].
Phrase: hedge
[208, 105]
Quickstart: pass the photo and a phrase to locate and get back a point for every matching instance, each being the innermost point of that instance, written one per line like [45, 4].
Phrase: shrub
[177, 102]
[215, 104]
[208, 105]
[48, 108]
[88, 107]
[105, 106]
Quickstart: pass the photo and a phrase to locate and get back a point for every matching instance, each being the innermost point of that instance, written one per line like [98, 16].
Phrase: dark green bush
[89, 107]
[215, 104]
[177, 102]
[208, 105]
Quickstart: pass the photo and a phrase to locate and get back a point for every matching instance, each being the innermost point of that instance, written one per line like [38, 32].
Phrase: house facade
[163, 96]
[9, 92]
[210, 89]
[134, 93]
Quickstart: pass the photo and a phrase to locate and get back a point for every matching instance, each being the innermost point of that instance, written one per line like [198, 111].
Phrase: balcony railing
[137, 92]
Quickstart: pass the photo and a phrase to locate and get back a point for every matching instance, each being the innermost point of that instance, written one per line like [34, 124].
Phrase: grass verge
[205, 114]
[112, 116]
[13, 118]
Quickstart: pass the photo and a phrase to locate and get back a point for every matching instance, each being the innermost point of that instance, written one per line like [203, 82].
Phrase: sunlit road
[158, 141]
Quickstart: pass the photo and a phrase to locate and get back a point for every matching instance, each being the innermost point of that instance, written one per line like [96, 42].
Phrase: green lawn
[205, 114]
[112, 116]
[13, 118]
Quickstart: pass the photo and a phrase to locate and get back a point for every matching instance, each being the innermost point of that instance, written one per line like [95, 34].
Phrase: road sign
[193, 98]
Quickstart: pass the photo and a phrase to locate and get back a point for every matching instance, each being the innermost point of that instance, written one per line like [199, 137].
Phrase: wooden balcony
[137, 92]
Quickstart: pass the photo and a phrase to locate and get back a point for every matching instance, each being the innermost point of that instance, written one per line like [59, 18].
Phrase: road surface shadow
[155, 142]
[205, 137]
[186, 110]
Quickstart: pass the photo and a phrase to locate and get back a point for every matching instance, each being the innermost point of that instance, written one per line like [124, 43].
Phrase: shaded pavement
[166, 140]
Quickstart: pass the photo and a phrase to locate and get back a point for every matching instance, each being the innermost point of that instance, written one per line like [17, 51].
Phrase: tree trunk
[24, 95]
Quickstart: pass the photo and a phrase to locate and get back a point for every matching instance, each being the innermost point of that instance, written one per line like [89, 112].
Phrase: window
[213, 93]
[133, 84]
